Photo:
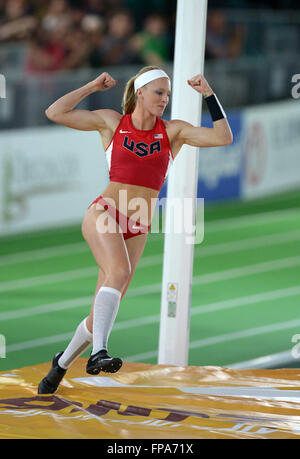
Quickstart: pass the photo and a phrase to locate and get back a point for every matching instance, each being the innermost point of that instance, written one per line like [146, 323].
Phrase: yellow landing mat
[144, 401]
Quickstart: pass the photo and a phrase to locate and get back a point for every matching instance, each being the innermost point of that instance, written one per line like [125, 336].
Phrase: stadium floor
[245, 295]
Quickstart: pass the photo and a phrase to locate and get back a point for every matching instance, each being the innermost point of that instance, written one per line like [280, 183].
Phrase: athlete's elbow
[54, 116]
[225, 140]
[229, 136]
[229, 139]
[50, 114]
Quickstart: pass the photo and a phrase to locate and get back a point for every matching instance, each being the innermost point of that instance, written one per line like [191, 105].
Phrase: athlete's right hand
[103, 82]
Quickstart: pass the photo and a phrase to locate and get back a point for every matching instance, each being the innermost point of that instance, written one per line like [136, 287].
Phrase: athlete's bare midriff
[132, 200]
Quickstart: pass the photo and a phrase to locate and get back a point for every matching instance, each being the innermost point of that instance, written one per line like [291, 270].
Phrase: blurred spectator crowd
[69, 34]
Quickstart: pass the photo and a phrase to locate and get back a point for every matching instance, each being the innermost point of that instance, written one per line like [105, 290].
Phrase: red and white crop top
[138, 157]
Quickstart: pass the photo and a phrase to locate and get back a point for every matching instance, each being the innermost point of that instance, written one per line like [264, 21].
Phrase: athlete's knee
[122, 273]
[119, 274]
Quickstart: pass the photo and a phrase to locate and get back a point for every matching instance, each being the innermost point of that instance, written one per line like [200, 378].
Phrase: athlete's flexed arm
[62, 111]
[219, 135]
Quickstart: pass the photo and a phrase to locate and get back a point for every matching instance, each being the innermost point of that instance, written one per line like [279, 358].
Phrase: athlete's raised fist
[104, 82]
[200, 84]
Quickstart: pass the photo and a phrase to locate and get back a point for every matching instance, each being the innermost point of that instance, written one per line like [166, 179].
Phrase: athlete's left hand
[200, 85]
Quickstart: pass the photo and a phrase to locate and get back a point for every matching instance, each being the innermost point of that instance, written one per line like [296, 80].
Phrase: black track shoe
[101, 361]
[50, 383]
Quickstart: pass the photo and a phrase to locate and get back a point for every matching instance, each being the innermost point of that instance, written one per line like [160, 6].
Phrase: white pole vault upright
[182, 183]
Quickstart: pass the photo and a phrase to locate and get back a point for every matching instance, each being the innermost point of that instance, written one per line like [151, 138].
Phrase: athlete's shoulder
[111, 119]
[174, 126]
[175, 122]
[108, 114]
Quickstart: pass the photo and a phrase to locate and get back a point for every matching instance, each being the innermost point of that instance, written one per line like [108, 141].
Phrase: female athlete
[140, 147]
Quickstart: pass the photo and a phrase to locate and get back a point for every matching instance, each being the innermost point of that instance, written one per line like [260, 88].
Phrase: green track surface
[245, 296]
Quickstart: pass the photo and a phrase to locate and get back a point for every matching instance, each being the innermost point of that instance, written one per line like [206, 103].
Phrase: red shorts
[129, 227]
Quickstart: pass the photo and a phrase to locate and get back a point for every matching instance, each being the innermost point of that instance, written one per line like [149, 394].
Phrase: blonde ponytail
[129, 97]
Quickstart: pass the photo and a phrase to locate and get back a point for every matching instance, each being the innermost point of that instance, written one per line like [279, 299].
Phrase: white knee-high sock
[106, 307]
[80, 342]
